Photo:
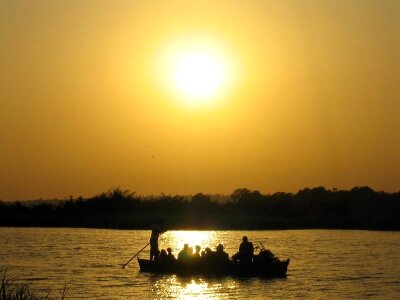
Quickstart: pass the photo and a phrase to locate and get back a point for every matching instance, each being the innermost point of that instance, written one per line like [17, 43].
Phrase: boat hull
[271, 269]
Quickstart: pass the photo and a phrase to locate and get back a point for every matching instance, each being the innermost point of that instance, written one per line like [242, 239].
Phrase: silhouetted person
[202, 257]
[196, 254]
[246, 250]
[221, 257]
[265, 256]
[170, 257]
[162, 258]
[208, 256]
[246, 247]
[184, 255]
[155, 233]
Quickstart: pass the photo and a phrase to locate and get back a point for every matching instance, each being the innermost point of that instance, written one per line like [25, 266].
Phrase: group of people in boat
[189, 256]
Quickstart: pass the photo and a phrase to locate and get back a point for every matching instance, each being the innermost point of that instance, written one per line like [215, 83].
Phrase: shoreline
[210, 229]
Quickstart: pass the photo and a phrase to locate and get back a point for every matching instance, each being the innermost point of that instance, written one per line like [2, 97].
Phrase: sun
[197, 73]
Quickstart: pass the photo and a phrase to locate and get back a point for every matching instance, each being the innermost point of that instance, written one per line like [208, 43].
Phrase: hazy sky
[85, 103]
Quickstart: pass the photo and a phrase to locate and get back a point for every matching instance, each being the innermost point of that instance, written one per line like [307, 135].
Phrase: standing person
[155, 233]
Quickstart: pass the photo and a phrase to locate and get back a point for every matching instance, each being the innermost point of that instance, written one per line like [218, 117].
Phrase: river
[325, 264]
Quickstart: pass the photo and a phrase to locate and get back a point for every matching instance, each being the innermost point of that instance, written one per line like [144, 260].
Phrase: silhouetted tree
[360, 207]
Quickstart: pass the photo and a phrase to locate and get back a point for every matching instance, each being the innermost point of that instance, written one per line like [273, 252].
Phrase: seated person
[246, 251]
[221, 257]
[265, 256]
[208, 256]
[196, 254]
[184, 255]
[162, 258]
[196, 258]
[170, 257]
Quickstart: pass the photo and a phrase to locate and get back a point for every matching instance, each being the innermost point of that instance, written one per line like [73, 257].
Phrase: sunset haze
[307, 94]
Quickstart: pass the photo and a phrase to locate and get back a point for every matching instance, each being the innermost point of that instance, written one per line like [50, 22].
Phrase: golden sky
[89, 99]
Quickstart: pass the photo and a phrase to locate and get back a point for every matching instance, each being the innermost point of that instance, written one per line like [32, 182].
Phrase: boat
[270, 268]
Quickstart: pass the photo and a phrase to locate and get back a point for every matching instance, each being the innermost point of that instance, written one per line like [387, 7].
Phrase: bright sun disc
[198, 76]
[197, 73]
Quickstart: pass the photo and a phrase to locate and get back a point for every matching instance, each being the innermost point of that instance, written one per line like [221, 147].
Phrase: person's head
[198, 248]
[169, 250]
[155, 227]
[203, 253]
[163, 252]
[186, 246]
[220, 248]
[208, 250]
[245, 239]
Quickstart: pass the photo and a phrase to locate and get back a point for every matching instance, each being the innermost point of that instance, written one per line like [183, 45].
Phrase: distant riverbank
[316, 208]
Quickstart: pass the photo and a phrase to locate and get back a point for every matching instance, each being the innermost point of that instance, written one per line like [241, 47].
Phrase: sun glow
[193, 238]
[197, 73]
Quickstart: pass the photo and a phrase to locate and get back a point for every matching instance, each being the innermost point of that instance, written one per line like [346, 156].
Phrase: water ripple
[324, 264]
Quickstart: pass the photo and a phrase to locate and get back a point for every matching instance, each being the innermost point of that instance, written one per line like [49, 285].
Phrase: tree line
[358, 208]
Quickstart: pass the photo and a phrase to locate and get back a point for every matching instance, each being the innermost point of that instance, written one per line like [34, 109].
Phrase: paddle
[139, 252]
[135, 255]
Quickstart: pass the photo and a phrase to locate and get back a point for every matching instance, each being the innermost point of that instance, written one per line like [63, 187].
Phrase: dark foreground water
[325, 264]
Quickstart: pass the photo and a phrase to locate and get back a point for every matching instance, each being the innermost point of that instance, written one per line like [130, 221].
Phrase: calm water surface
[325, 264]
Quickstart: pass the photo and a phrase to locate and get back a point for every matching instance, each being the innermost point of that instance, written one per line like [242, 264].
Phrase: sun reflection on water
[194, 290]
[178, 287]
